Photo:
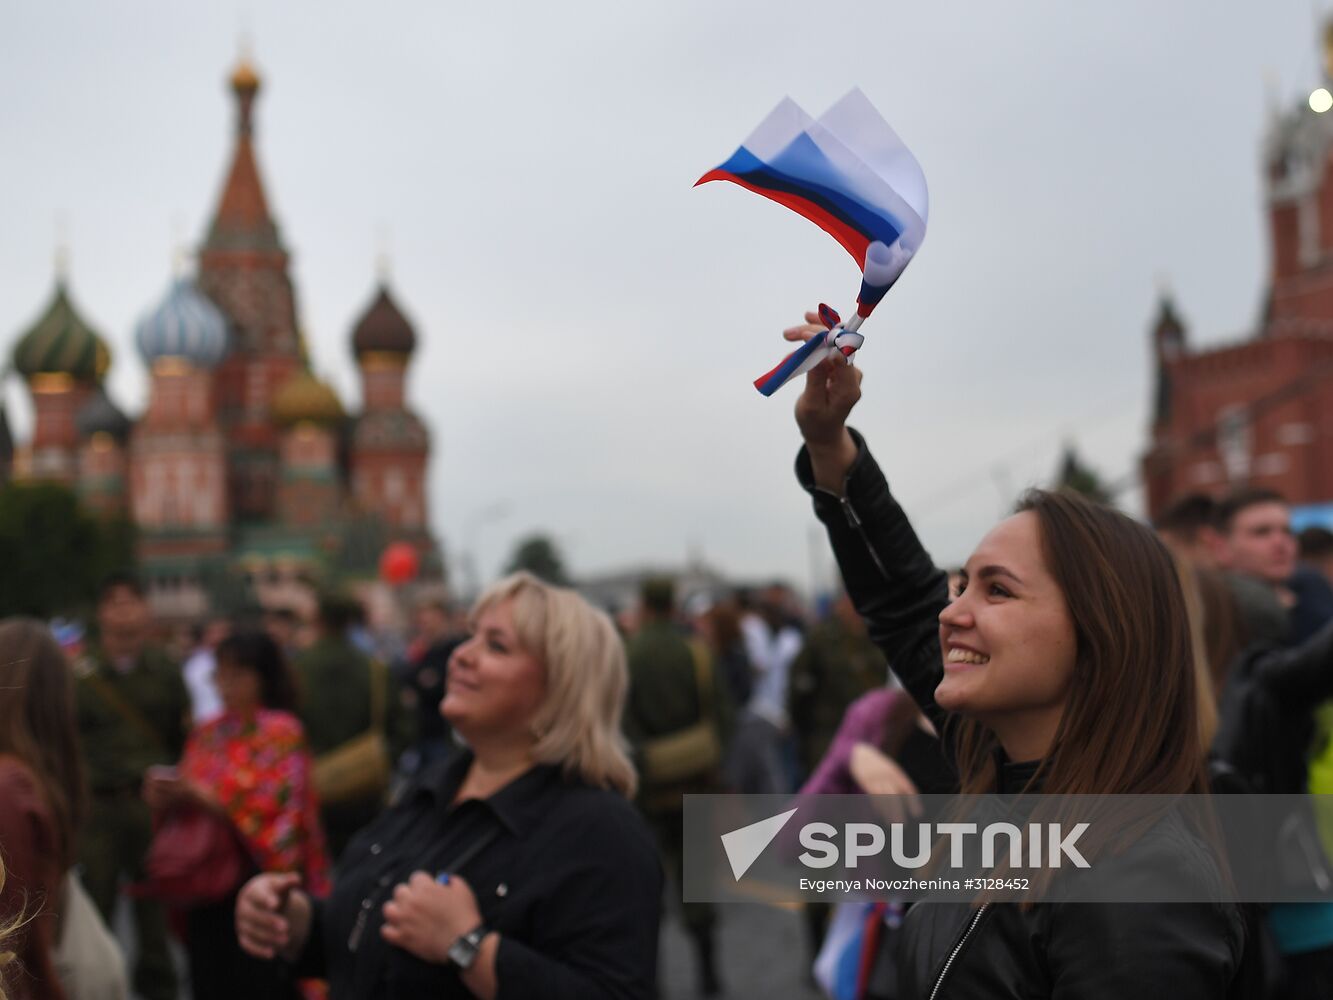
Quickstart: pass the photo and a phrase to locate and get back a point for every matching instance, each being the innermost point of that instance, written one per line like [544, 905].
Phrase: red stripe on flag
[851, 239]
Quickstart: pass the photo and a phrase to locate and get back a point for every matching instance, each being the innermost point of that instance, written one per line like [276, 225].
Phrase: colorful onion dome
[62, 342]
[304, 398]
[184, 325]
[101, 416]
[383, 329]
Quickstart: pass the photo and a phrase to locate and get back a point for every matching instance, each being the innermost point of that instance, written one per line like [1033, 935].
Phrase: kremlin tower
[1259, 411]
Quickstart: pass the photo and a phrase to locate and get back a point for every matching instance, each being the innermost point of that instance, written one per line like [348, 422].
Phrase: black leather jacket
[1071, 951]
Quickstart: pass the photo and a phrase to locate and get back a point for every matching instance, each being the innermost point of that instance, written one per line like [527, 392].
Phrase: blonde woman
[518, 865]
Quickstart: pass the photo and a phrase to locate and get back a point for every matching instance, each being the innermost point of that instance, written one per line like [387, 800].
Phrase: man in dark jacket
[1268, 722]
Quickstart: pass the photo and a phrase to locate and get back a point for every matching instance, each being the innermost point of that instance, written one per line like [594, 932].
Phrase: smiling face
[1008, 640]
[495, 686]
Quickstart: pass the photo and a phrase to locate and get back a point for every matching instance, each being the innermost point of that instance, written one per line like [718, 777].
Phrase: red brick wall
[1291, 432]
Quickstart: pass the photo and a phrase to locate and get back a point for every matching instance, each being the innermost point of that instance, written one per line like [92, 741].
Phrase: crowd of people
[496, 807]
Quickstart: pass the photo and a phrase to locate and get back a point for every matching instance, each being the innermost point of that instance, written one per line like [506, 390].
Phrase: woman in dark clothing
[1063, 666]
[518, 866]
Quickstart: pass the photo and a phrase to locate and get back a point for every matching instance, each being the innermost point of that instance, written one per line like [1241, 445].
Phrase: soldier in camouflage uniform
[133, 710]
[664, 698]
[334, 701]
[837, 664]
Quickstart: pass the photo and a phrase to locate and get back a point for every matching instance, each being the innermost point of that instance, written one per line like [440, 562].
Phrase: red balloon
[399, 563]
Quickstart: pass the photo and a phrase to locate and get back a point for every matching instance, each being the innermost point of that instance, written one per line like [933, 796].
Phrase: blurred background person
[133, 713]
[251, 765]
[1316, 548]
[762, 757]
[1188, 528]
[343, 696]
[62, 945]
[836, 665]
[884, 745]
[281, 624]
[675, 688]
[205, 703]
[718, 624]
[1255, 547]
[1271, 731]
[422, 674]
[514, 868]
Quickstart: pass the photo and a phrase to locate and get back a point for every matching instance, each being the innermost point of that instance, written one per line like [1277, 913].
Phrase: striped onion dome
[62, 342]
[101, 416]
[383, 328]
[184, 325]
[304, 398]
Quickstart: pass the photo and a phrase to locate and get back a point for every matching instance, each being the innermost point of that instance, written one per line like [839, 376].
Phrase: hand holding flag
[851, 175]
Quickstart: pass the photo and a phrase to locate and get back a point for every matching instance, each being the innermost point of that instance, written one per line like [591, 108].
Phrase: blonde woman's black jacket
[1070, 951]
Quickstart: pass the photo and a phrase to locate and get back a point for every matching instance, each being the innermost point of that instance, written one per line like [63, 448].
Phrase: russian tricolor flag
[849, 174]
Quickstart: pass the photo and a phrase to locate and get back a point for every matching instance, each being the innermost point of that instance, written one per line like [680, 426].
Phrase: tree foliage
[539, 555]
[53, 552]
[1079, 478]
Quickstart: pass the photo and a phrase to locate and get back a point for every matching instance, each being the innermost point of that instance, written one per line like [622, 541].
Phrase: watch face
[463, 952]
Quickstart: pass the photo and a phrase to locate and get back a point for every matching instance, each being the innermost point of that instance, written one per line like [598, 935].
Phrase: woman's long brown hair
[1130, 724]
[37, 720]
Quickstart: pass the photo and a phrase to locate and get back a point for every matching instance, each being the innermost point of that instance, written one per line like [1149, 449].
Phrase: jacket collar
[1013, 777]
[519, 805]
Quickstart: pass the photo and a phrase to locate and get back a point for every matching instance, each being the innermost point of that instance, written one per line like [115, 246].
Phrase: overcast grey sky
[590, 323]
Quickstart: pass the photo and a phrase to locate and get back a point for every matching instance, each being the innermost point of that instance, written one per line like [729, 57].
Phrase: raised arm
[889, 576]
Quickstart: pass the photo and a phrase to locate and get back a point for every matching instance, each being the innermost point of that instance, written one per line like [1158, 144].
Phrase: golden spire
[244, 78]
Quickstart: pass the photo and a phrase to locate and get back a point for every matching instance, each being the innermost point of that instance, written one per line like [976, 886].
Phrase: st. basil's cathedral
[244, 467]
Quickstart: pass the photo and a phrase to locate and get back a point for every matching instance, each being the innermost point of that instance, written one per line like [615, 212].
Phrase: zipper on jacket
[854, 520]
[944, 972]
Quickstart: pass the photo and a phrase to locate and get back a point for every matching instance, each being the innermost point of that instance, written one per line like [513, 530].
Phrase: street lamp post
[472, 526]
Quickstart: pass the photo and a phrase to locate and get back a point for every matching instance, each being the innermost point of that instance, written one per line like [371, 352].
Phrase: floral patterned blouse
[257, 765]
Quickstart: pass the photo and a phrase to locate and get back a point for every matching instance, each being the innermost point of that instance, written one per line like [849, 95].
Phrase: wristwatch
[463, 952]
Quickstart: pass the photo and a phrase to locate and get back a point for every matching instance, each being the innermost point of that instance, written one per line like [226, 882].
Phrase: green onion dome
[63, 343]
